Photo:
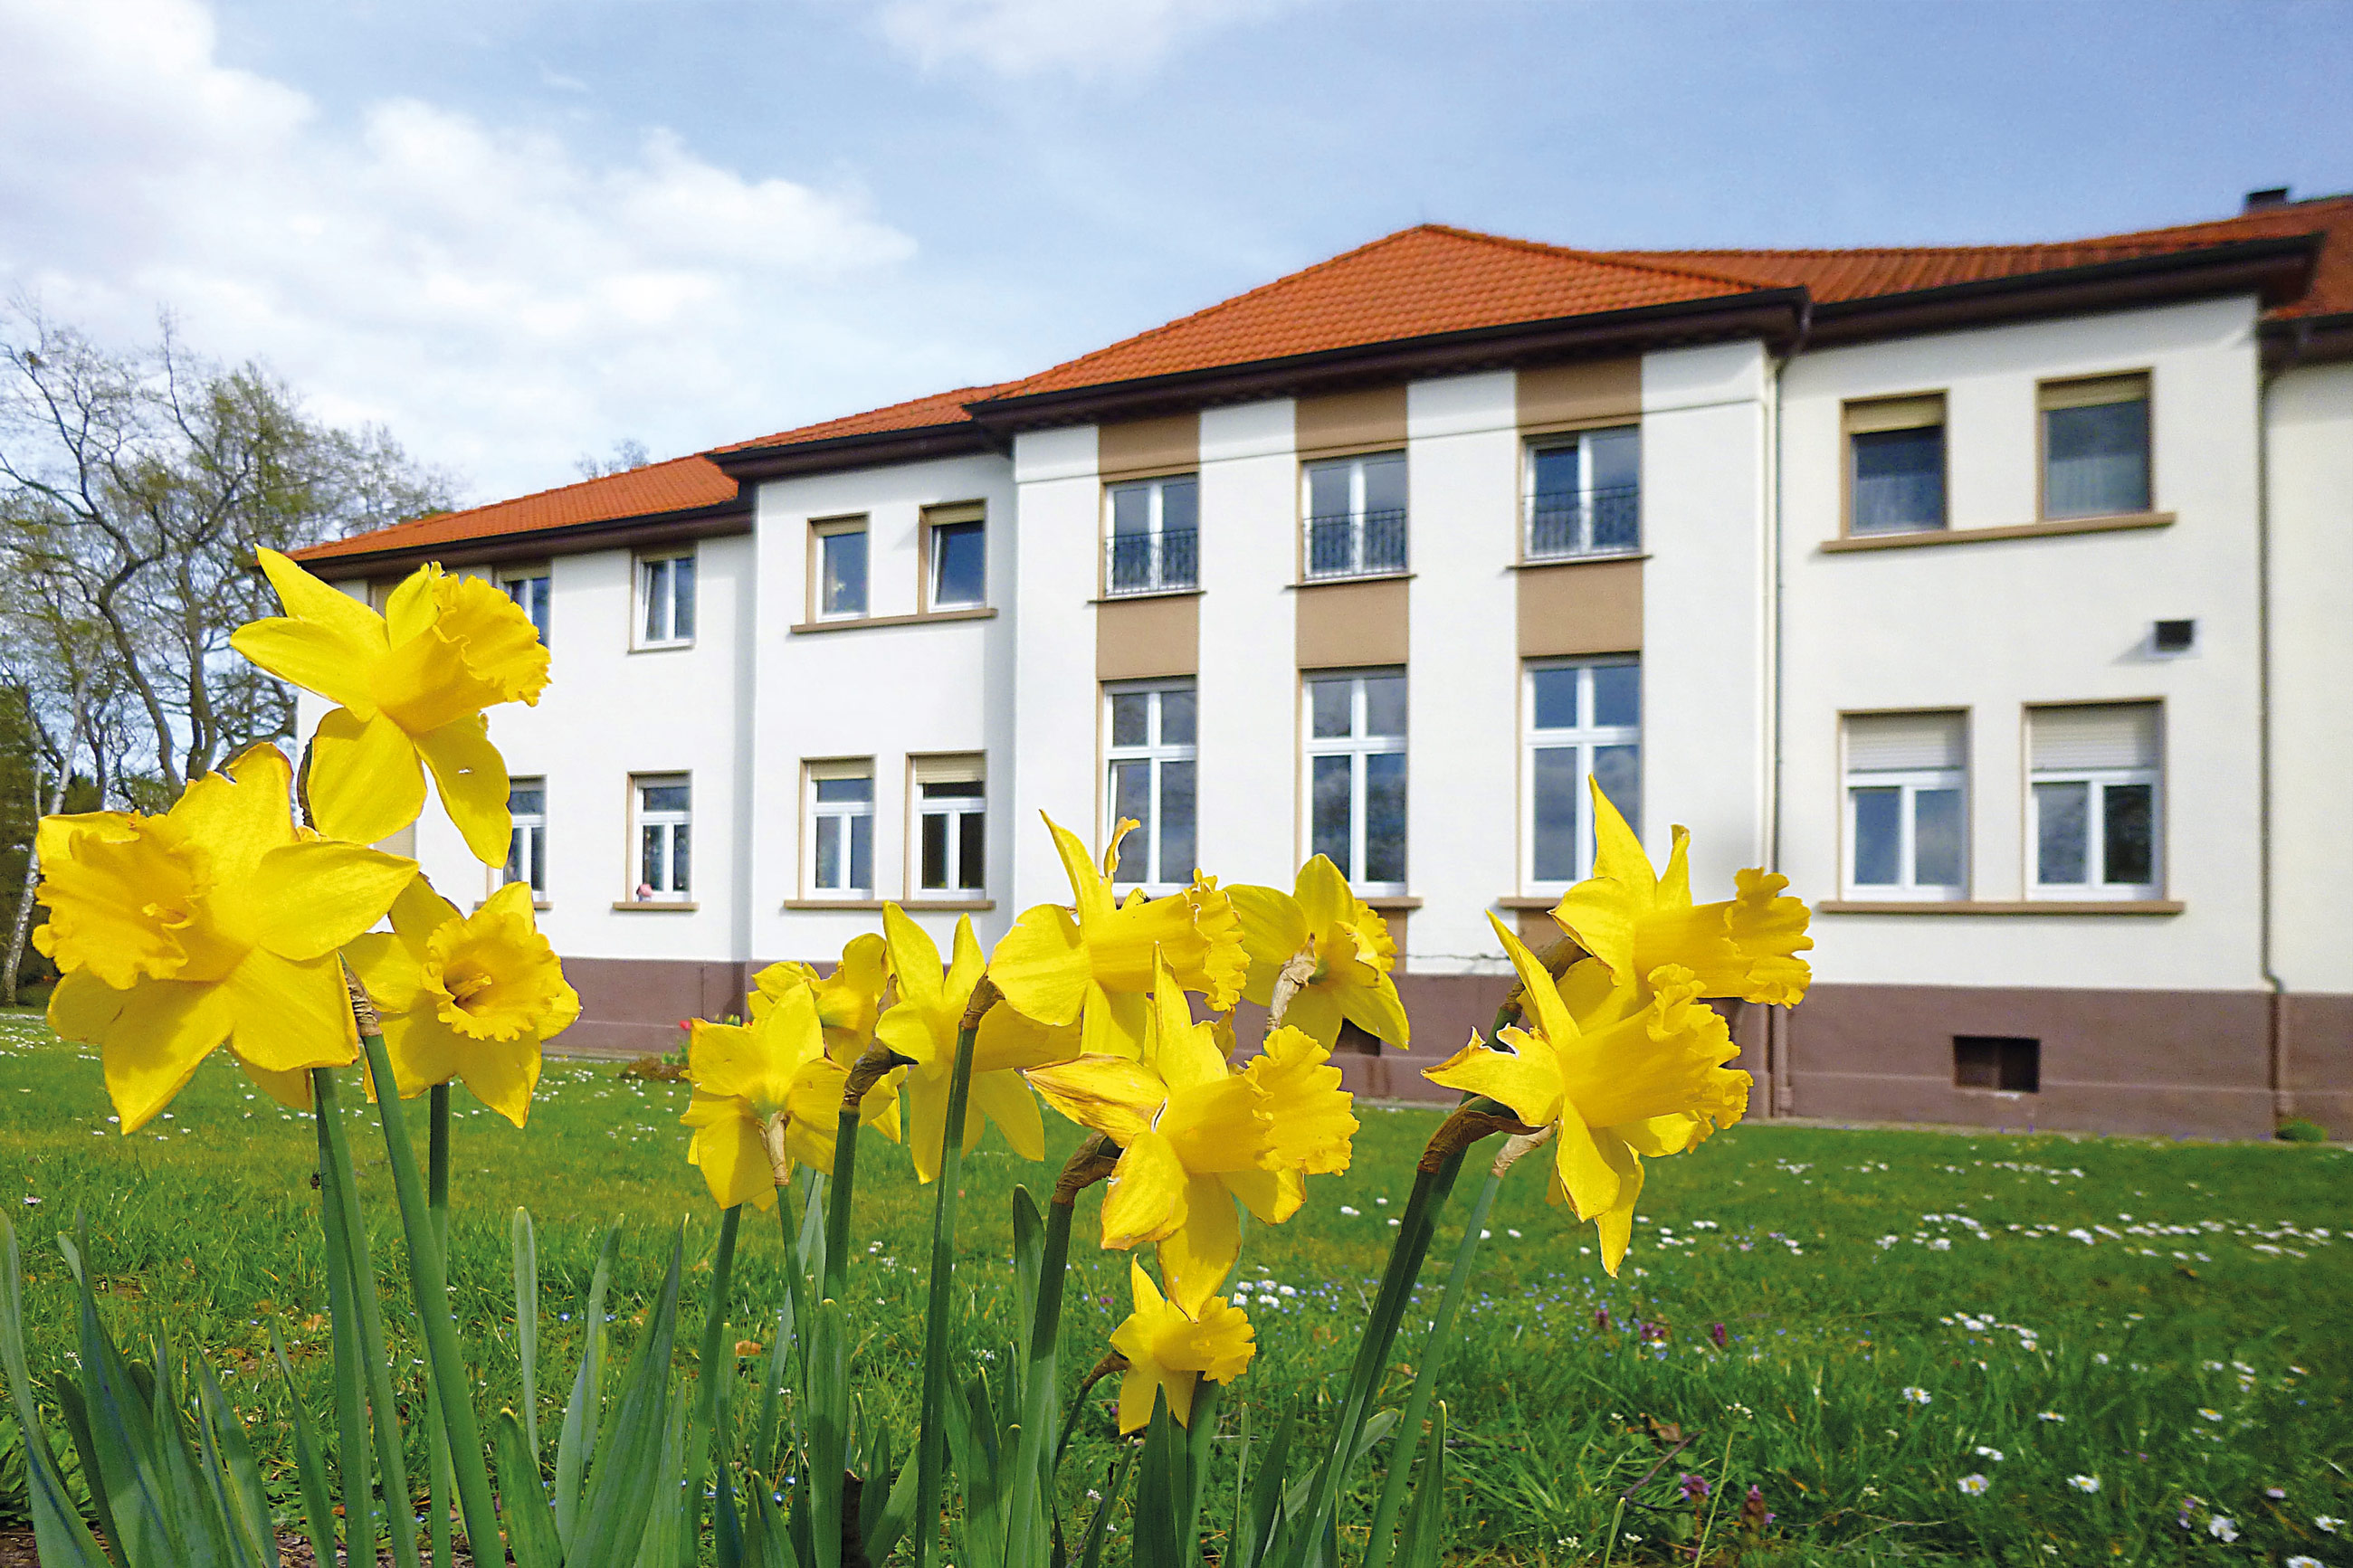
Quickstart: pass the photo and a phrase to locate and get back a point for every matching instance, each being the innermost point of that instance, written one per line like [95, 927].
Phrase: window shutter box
[842, 768]
[966, 769]
[2094, 392]
[2109, 735]
[956, 511]
[1904, 742]
[1896, 414]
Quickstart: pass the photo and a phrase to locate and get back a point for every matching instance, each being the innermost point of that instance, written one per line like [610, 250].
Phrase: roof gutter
[538, 543]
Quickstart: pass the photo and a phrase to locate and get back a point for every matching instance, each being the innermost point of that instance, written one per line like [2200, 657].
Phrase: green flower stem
[837, 1204]
[1033, 1470]
[442, 1483]
[351, 1408]
[429, 1281]
[1425, 1381]
[384, 1415]
[712, 1378]
[931, 1440]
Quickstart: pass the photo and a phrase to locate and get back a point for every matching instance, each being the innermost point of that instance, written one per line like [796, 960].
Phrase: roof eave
[631, 532]
[867, 449]
[2294, 340]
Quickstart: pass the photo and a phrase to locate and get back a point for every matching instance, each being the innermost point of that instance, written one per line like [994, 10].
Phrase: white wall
[1054, 705]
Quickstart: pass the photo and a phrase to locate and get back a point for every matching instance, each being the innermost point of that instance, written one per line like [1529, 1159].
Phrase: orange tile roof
[681, 484]
[916, 413]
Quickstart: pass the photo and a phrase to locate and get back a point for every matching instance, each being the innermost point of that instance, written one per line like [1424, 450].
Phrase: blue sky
[518, 231]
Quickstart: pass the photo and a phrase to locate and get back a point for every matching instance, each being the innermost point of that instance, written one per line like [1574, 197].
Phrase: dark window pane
[1557, 473]
[1617, 458]
[665, 797]
[1180, 505]
[935, 825]
[1384, 483]
[959, 789]
[972, 858]
[649, 856]
[1899, 479]
[526, 800]
[1131, 717]
[1328, 490]
[657, 595]
[1936, 837]
[1618, 694]
[1131, 509]
[828, 852]
[1331, 709]
[862, 852]
[1384, 817]
[1878, 838]
[960, 563]
[2128, 839]
[1131, 797]
[1329, 810]
[1554, 697]
[1384, 705]
[1556, 787]
[845, 574]
[833, 791]
[538, 859]
[677, 857]
[2098, 459]
[681, 587]
[516, 852]
[1619, 770]
[1176, 711]
[2064, 820]
[1176, 852]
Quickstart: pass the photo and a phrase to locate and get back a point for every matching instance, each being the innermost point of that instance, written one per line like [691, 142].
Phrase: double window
[665, 601]
[2092, 818]
[1585, 494]
[1356, 516]
[1583, 723]
[665, 813]
[956, 548]
[527, 839]
[2094, 447]
[1155, 536]
[1356, 775]
[838, 569]
[531, 592]
[951, 826]
[1150, 781]
[1906, 805]
[1895, 465]
[841, 829]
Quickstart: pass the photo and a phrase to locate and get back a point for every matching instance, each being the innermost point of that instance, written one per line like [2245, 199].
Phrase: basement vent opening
[2003, 1063]
[2173, 637]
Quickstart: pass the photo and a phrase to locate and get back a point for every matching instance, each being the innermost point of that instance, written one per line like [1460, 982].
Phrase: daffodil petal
[1195, 1258]
[1116, 1097]
[289, 1014]
[240, 813]
[1043, 966]
[1270, 1195]
[364, 783]
[291, 1089]
[472, 779]
[1316, 1011]
[1005, 1100]
[154, 1045]
[388, 971]
[1323, 895]
[317, 658]
[1376, 1010]
[1529, 1082]
[734, 1162]
[311, 899]
[503, 1076]
[1145, 1199]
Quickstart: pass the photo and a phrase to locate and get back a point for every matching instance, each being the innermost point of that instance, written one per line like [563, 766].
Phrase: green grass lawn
[2117, 1335]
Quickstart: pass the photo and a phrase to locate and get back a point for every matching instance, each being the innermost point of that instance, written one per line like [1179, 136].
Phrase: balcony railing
[1363, 544]
[1598, 522]
[1152, 562]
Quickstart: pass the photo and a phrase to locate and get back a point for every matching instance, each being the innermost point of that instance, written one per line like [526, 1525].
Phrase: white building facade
[2003, 613]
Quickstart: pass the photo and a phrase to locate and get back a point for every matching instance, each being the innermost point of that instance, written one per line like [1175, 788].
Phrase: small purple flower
[1695, 1488]
[1718, 1335]
[1601, 1319]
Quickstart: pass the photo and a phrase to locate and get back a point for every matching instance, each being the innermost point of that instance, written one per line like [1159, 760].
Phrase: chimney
[2275, 196]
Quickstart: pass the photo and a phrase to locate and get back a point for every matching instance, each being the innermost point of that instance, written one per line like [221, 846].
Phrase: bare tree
[55, 672]
[627, 453]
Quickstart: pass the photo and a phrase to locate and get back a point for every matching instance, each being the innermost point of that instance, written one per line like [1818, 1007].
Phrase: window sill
[912, 906]
[2006, 907]
[2019, 531]
[924, 618]
[1305, 583]
[1530, 901]
[653, 906]
[540, 904]
[1599, 558]
[662, 647]
[1148, 593]
[1390, 903]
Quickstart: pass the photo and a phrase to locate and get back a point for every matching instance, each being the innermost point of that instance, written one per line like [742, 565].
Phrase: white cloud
[499, 298]
[1024, 38]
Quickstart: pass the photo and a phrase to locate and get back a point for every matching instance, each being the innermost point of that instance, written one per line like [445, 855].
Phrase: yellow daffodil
[412, 683]
[1616, 1076]
[847, 1001]
[1170, 1351]
[922, 1025]
[767, 1097]
[466, 996]
[1348, 941]
[218, 920]
[1096, 969]
[1635, 921]
[1314, 1128]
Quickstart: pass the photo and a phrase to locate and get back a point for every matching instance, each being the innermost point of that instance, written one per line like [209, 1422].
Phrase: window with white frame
[2093, 806]
[957, 550]
[2094, 446]
[527, 839]
[1583, 721]
[1357, 516]
[1895, 465]
[665, 824]
[837, 564]
[951, 826]
[531, 592]
[1155, 536]
[841, 828]
[1356, 775]
[665, 601]
[1151, 760]
[1585, 494]
[1906, 805]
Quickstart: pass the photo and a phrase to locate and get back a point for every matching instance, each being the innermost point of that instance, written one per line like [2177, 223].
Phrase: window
[1151, 782]
[2094, 447]
[1155, 536]
[1585, 494]
[838, 551]
[1906, 805]
[956, 545]
[2004, 1063]
[666, 601]
[1896, 477]
[841, 829]
[951, 826]
[1356, 775]
[665, 845]
[2093, 806]
[527, 840]
[1584, 722]
[532, 593]
[1356, 516]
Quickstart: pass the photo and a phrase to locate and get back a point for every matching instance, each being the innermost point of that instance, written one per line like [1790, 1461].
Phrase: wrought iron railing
[1595, 523]
[1152, 562]
[1360, 544]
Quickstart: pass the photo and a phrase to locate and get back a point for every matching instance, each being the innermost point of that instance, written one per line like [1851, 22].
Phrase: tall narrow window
[2094, 447]
[1155, 536]
[2094, 801]
[1151, 782]
[1356, 516]
[666, 601]
[1356, 775]
[841, 829]
[957, 548]
[665, 804]
[838, 570]
[951, 826]
[1584, 722]
[531, 593]
[1896, 457]
[1585, 494]
[527, 839]
[1907, 798]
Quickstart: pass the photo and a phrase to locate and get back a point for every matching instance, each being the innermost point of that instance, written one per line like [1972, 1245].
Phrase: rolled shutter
[1904, 742]
[2104, 735]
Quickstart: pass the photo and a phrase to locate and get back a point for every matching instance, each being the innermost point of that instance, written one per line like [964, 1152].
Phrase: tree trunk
[23, 924]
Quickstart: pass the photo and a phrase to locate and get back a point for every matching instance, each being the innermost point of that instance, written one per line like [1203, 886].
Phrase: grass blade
[1091, 1545]
[577, 1439]
[530, 1525]
[627, 1474]
[58, 1534]
[526, 1283]
[715, 1370]
[1425, 1528]
[938, 1319]
[310, 1469]
[829, 1445]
